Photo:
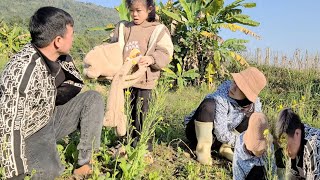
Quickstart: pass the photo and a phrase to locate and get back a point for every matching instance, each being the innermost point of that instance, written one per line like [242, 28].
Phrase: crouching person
[40, 103]
[250, 155]
[302, 144]
[224, 114]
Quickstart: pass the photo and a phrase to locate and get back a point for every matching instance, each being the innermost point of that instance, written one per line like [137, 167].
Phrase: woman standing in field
[222, 115]
[156, 53]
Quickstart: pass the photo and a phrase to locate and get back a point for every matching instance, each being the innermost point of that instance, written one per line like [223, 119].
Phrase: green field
[172, 157]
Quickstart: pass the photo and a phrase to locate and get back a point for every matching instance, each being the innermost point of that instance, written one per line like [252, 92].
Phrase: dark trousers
[142, 97]
[257, 173]
[206, 113]
[86, 111]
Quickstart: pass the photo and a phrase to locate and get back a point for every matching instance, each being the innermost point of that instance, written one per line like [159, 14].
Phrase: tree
[195, 27]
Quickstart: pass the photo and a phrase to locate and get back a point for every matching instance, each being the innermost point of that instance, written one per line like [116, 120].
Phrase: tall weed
[12, 39]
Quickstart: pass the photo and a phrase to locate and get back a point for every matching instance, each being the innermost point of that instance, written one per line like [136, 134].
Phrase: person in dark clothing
[40, 102]
[302, 145]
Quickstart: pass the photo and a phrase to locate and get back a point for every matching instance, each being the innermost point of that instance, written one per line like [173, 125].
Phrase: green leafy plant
[124, 14]
[12, 39]
[136, 162]
[123, 11]
[195, 26]
[180, 77]
[270, 158]
[193, 171]
[209, 76]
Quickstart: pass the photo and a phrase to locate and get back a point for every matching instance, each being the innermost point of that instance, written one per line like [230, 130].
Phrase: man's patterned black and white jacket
[27, 101]
[307, 163]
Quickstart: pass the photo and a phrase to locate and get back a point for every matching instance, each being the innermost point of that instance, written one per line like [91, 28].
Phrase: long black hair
[148, 3]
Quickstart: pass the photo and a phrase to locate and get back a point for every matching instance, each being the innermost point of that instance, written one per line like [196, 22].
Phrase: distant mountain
[85, 15]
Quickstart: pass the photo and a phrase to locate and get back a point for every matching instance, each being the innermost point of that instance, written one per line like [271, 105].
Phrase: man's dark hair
[152, 14]
[47, 23]
[288, 122]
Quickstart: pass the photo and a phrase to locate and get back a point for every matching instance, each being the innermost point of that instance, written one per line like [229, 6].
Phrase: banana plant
[196, 25]
[123, 11]
[212, 13]
[209, 76]
[186, 12]
[180, 77]
[229, 50]
[124, 14]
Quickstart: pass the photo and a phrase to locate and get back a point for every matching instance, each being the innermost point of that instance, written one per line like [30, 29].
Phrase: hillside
[86, 15]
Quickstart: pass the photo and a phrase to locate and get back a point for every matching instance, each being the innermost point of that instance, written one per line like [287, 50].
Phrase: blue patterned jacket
[228, 114]
[244, 162]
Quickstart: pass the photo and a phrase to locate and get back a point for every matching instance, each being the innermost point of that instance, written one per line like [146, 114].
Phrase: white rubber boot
[204, 137]
[226, 151]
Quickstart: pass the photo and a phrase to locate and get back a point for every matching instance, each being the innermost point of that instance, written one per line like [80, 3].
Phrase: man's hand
[146, 61]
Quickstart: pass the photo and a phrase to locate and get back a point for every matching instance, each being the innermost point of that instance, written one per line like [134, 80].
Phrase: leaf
[241, 16]
[233, 5]
[187, 10]
[124, 166]
[192, 74]
[170, 76]
[123, 11]
[172, 15]
[211, 36]
[239, 59]
[100, 29]
[167, 70]
[232, 12]
[235, 45]
[179, 72]
[246, 21]
[169, 73]
[249, 5]
[206, 34]
[217, 58]
[235, 27]
[215, 6]
[181, 82]
[210, 69]
[230, 42]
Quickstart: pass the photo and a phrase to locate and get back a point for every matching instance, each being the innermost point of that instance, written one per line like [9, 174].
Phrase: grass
[172, 157]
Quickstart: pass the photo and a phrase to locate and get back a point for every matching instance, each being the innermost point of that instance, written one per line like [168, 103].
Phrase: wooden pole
[307, 62]
[258, 58]
[276, 59]
[267, 59]
[296, 59]
[316, 62]
[284, 61]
